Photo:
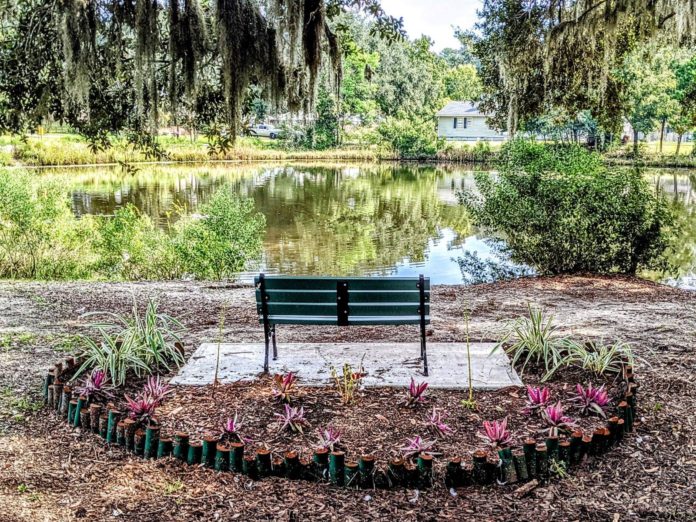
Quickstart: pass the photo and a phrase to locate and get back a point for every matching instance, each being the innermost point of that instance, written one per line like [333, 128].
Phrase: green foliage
[223, 240]
[599, 358]
[116, 358]
[560, 211]
[40, 238]
[323, 132]
[462, 83]
[533, 339]
[410, 138]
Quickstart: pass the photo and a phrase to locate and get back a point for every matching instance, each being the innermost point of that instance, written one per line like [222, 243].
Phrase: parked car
[265, 131]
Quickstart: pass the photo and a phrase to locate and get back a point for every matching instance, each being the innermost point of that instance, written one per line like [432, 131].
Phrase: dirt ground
[49, 472]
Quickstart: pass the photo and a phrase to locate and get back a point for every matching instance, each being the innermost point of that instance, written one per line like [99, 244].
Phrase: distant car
[265, 131]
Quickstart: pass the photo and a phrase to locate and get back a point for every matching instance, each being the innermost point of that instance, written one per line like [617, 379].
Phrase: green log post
[249, 467]
[85, 421]
[520, 462]
[453, 473]
[263, 462]
[48, 380]
[139, 442]
[542, 462]
[366, 465]
[50, 396]
[351, 478]
[181, 446]
[620, 430]
[72, 407]
[480, 471]
[121, 433]
[237, 457]
[575, 445]
[564, 453]
[164, 447]
[396, 472]
[113, 418]
[552, 447]
[129, 427]
[613, 425]
[94, 414]
[292, 465]
[81, 403]
[320, 460]
[599, 439]
[195, 452]
[585, 446]
[507, 473]
[152, 434]
[425, 470]
[222, 457]
[337, 461]
[307, 469]
[208, 449]
[530, 457]
[277, 467]
[103, 425]
[57, 395]
[65, 401]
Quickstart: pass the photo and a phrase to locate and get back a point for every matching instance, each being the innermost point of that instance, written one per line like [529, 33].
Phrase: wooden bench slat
[352, 321]
[359, 309]
[354, 296]
[329, 283]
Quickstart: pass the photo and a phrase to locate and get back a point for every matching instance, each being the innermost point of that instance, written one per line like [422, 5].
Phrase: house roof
[460, 108]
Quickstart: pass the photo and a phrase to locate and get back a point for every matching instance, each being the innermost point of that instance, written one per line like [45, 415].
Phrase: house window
[460, 123]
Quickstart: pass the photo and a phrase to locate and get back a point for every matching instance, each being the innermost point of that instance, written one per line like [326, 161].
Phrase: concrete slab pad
[386, 364]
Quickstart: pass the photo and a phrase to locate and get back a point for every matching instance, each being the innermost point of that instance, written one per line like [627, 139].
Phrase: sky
[434, 18]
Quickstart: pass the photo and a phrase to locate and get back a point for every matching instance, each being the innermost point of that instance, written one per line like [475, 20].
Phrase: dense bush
[40, 238]
[409, 138]
[560, 210]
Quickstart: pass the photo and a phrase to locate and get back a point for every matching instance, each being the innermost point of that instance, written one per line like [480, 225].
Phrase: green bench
[341, 301]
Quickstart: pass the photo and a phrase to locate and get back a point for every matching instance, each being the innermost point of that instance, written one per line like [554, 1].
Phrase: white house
[462, 120]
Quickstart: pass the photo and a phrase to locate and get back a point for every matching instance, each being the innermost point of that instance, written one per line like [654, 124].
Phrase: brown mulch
[50, 472]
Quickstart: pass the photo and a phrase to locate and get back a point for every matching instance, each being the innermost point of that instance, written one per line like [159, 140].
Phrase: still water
[345, 219]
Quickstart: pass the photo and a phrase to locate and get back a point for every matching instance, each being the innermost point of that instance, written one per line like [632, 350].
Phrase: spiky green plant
[116, 358]
[599, 358]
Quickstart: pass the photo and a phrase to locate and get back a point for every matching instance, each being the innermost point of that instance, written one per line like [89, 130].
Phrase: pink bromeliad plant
[556, 418]
[143, 407]
[437, 423]
[293, 419]
[231, 428]
[417, 445]
[94, 385]
[329, 438]
[496, 432]
[284, 386]
[592, 400]
[416, 393]
[158, 390]
[537, 399]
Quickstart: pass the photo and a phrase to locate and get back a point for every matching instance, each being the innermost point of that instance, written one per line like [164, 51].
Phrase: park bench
[341, 301]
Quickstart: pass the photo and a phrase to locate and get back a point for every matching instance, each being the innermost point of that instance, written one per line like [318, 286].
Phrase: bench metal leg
[424, 354]
[275, 346]
[266, 342]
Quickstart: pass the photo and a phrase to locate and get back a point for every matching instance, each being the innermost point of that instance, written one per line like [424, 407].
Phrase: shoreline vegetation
[69, 150]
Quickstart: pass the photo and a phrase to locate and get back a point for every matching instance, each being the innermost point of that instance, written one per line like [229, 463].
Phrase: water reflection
[347, 219]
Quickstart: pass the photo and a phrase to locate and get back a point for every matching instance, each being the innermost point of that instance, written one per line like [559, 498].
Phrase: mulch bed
[51, 472]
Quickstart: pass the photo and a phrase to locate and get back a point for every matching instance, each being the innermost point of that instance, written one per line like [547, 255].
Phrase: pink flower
[537, 398]
[592, 399]
[496, 432]
[416, 393]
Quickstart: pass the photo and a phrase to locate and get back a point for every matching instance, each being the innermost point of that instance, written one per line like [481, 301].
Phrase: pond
[334, 219]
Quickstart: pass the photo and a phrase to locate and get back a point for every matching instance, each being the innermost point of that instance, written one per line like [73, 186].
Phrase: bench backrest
[343, 300]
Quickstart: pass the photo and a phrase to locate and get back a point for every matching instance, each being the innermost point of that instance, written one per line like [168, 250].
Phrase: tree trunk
[662, 133]
[635, 143]
[678, 144]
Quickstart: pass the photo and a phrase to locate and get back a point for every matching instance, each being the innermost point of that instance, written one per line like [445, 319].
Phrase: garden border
[533, 461]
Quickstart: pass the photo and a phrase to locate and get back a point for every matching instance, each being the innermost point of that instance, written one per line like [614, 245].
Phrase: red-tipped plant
[537, 399]
[417, 445]
[293, 419]
[231, 428]
[416, 393]
[592, 400]
[156, 389]
[93, 385]
[556, 419]
[496, 432]
[142, 408]
[283, 386]
[437, 423]
[329, 438]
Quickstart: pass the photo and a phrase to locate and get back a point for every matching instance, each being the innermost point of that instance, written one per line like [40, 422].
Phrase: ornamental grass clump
[283, 386]
[600, 359]
[415, 393]
[292, 419]
[496, 432]
[416, 446]
[329, 438]
[534, 339]
[537, 399]
[437, 424]
[592, 400]
[556, 419]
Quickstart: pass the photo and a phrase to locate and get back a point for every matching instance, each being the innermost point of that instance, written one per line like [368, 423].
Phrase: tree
[684, 119]
[462, 83]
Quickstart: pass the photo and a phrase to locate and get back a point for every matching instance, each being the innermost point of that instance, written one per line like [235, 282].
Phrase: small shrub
[534, 339]
[496, 432]
[410, 138]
